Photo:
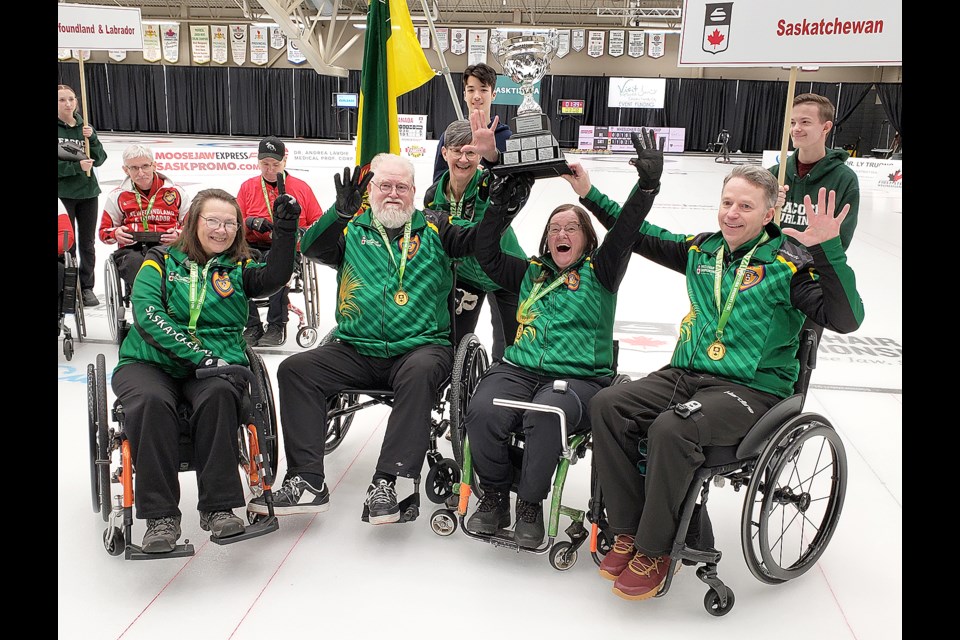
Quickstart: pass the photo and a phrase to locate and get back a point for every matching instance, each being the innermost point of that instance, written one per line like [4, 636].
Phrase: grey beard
[392, 218]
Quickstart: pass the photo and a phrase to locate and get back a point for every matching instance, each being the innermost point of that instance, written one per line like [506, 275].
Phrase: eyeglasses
[569, 229]
[457, 154]
[387, 187]
[136, 168]
[213, 224]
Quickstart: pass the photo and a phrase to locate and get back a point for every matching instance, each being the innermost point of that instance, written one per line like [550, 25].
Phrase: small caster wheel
[68, 348]
[443, 522]
[113, 541]
[306, 337]
[711, 602]
[563, 556]
[440, 480]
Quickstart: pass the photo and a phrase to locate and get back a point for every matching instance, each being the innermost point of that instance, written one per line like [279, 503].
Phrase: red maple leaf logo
[715, 38]
[896, 176]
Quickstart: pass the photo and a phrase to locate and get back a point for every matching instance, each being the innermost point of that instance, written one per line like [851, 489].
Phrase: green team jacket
[784, 283]
[161, 305]
[831, 172]
[72, 181]
[568, 333]
[468, 216]
[367, 279]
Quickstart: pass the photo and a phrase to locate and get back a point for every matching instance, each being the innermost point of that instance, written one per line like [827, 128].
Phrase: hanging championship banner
[200, 43]
[218, 43]
[294, 55]
[117, 54]
[478, 46]
[277, 41]
[63, 54]
[170, 37]
[563, 42]
[151, 42]
[657, 45]
[81, 52]
[424, 37]
[443, 38]
[578, 37]
[615, 48]
[635, 44]
[259, 50]
[238, 43]
[458, 44]
[595, 48]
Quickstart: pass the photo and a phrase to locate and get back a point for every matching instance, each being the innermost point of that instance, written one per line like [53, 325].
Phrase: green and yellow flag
[393, 64]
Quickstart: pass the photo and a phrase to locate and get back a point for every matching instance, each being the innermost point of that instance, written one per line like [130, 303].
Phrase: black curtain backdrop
[298, 103]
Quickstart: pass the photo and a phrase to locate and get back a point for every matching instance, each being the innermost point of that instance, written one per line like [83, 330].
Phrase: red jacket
[63, 225]
[252, 204]
[121, 209]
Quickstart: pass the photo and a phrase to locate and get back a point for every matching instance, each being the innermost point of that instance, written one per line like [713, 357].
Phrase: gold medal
[716, 350]
[401, 297]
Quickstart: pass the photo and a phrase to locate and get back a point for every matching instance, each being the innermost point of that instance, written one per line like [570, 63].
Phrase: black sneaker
[529, 530]
[382, 503]
[492, 513]
[161, 535]
[274, 337]
[295, 496]
[221, 524]
[252, 335]
[90, 299]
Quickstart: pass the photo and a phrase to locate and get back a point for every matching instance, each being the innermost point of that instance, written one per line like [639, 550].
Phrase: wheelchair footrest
[261, 528]
[133, 552]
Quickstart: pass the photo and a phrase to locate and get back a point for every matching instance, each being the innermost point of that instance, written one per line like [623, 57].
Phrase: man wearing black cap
[256, 198]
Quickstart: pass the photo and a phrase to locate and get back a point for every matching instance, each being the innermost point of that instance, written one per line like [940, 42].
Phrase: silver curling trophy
[532, 147]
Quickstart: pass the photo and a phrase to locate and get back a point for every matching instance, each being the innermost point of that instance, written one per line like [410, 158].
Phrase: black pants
[489, 427]
[649, 505]
[128, 261]
[150, 397]
[503, 316]
[308, 381]
[84, 215]
[277, 312]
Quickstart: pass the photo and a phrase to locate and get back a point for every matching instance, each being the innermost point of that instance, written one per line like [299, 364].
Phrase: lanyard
[266, 198]
[144, 217]
[196, 302]
[537, 293]
[737, 281]
[403, 247]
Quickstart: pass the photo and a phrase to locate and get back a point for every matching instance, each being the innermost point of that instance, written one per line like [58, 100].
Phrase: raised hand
[649, 160]
[350, 191]
[509, 193]
[578, 178]
[484, 136]
[285, 207]
[822, 225]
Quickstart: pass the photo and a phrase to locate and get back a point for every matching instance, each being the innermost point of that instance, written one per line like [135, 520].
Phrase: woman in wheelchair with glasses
[567, 301]
[190, 303]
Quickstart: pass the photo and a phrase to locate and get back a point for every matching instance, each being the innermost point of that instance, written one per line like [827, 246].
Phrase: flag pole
[445, 70]
[83, 107]
[785, 139]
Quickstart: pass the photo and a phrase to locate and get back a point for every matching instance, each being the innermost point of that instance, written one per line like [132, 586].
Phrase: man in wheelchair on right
[750, 290]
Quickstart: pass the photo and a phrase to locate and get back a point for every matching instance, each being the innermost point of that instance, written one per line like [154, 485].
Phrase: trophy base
[539, 169]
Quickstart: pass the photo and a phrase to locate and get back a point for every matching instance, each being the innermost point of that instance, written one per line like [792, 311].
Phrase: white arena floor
[334, 576]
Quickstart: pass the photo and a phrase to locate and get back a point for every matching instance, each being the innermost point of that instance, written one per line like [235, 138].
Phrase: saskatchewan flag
[393, 64]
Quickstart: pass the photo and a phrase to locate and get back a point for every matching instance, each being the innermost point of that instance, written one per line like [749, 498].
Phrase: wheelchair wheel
[113, 541]
[443, 522]
[99, 437]
[311, 295]
[266, 391]
[337, 428]
[113, 292]
[68, 348]
[469, 364]
[711, 602]
[79, 320]
[794, 499]
[306, 337]
[440, 480]
[563, 556]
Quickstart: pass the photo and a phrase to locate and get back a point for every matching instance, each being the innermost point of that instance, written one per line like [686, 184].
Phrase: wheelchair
[562, 555]
[117, 291]
[258, 445]
[70, 304]
[794, 467]
[303, 280]
[720, 147]
[470, 361]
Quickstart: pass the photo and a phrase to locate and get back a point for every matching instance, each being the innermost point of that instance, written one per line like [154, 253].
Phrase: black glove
[649, 160]
[286, 207]
[261, 225]
[509, 193]
[211, 362]
[350, 191]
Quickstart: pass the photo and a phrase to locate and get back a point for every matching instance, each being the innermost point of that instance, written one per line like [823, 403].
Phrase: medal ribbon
[196, 302]
[403, 247]
[538, 292]
[266, 198]
[737, 281]
[144, 216]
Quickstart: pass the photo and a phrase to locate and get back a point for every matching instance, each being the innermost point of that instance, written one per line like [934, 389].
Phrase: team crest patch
[752, 277]
[170, 197]
[572, 280]
[222, 284]
[412, 248]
